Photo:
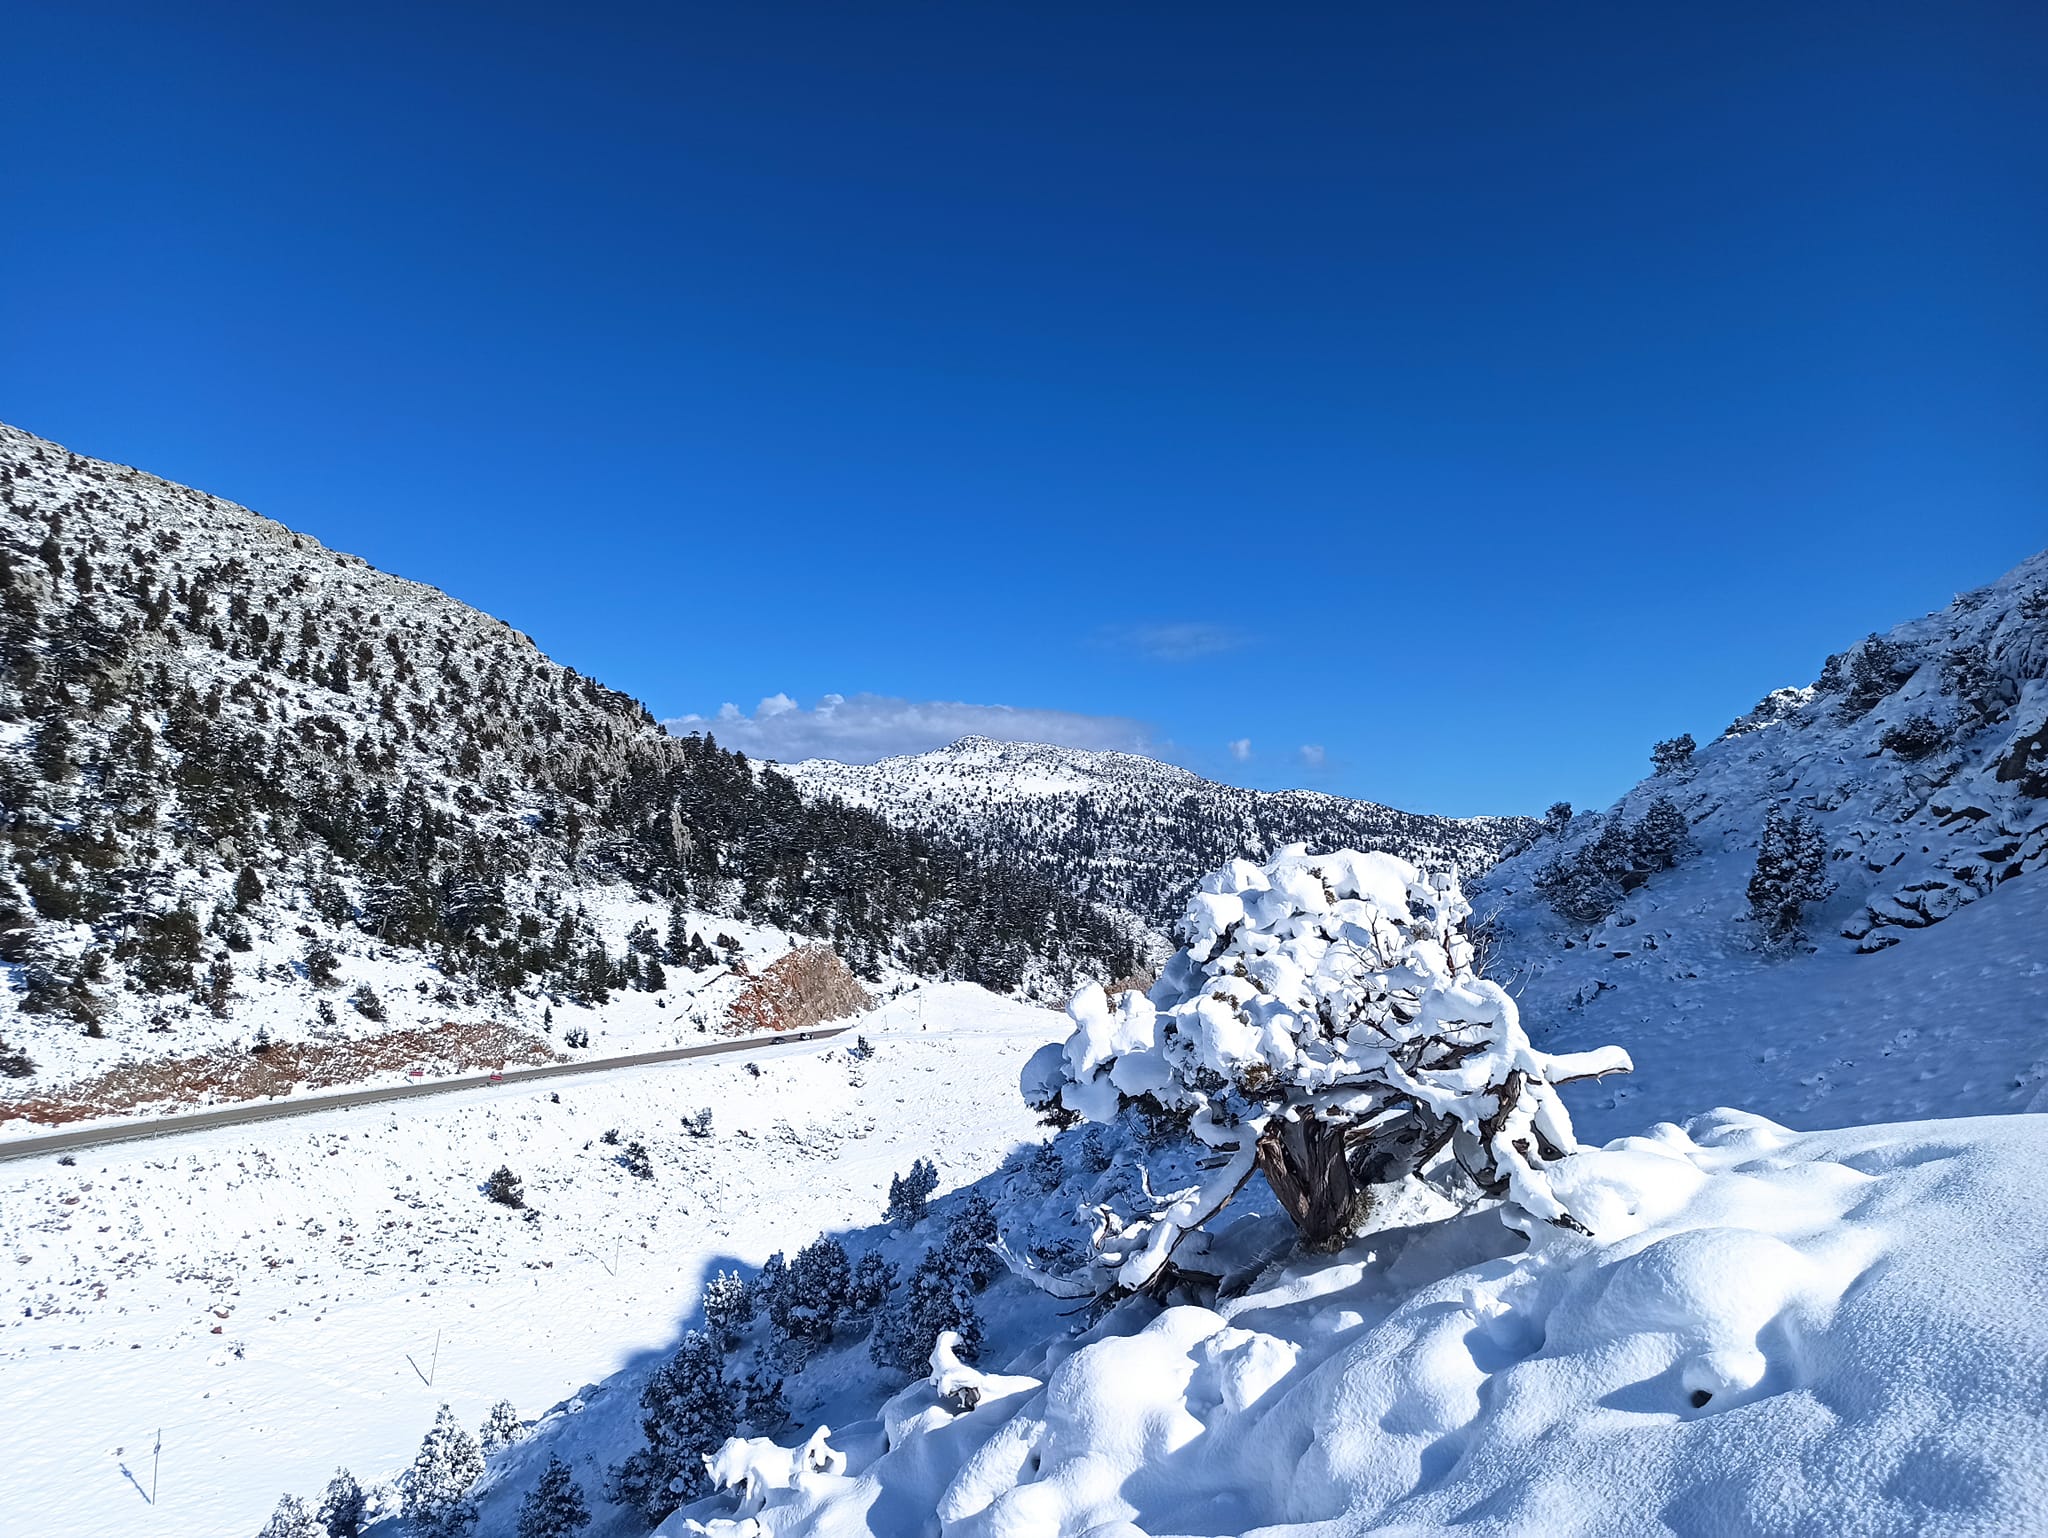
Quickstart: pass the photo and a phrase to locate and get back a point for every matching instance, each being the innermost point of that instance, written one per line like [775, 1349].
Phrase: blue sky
[1439, 403]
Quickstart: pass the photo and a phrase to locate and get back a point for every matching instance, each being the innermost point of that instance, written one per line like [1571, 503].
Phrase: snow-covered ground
[1775, 1333]
[329, 1249]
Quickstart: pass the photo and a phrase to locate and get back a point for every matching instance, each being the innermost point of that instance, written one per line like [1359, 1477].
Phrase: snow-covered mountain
[1127, 830]
[250, 784]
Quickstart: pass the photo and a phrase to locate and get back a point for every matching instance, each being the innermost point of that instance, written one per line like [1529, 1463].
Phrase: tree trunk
[1304, 1162]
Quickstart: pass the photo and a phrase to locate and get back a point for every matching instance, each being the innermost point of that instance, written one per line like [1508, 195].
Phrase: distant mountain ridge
[1127, 830]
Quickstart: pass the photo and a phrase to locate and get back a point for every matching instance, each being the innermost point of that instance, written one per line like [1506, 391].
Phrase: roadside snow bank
[1776, 1333]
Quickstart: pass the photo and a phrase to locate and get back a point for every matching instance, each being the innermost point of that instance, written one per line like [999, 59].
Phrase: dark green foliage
[1673, 753]
[910, 1193]
[553, 1508]
[504, 1188]
[689, 1412]
[936, 1297]
[1914, 738]
[1791, 872]
[342, 1506]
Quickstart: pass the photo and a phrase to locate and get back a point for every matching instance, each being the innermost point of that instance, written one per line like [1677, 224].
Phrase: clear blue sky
[1471, 393]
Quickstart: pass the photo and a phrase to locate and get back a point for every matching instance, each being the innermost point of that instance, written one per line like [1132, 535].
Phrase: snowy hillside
[1127, 830]
[1915, 984]
[1737, 1328]
[249, 784]
[256, 1292]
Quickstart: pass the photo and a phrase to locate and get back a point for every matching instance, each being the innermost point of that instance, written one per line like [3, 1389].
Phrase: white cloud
[1313, 756]
[871, 726]
[1241, 749]
[1178, 640]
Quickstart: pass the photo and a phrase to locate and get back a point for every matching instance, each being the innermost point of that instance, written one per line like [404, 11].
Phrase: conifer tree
[690, 1411]
[553, 1508]
[435, 1491]
[342, 1506]
[292, 1520]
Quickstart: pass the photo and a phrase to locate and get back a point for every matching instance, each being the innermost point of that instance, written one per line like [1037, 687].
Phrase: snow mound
[1776, 1333]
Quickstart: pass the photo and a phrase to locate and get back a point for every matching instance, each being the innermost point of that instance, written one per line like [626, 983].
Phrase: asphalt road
[271, 1110]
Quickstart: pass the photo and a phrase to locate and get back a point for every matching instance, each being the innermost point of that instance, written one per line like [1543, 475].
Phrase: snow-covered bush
[553, 1508]
[970, 1244]
[1914, 738]
[691, 1410]
[436, 1489]
[292, 1520]
[635, 1160]
[1322, 1024]
[501, 1428]
[342, 1506]
[909, 1194]
[809, 1304]
[700, 1124]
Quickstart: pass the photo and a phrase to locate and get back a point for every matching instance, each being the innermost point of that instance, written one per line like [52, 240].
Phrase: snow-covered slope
[256, 1292]
[1832, 1333]
[1918, 987]
[1125, 829]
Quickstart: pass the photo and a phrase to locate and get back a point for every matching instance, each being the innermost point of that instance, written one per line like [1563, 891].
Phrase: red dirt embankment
[806, 987]
[227, 1074]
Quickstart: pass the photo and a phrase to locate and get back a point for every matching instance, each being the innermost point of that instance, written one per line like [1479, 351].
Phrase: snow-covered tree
[553, 1508]
[342, 1506]
[809, 1306]
[1673, 753]
[436, 1489]
[909, 1194]
[937, 1296]
[728, 1307]
[1791, 871]
[503, 1188]
[1323, 1024]
[501, 1428]
[868, 1292]
[1661, 836]
[292, 1520]
[690, 1411]
[971, 1237]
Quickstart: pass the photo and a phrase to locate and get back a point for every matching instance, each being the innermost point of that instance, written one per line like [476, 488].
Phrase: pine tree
[501, 1427]
[292, 1520]
[1661, 836]
[1791, 871]
[970, 1241]
[504, 1188]
[342, 1506]
[1673, 753]
[910, 1194]
[436, 1489]
[936, 1297]
[691, 1410]
[728, 1307]
[553, 1508]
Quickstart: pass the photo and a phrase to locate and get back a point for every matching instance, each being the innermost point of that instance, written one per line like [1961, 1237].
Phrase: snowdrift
[1837, 1332]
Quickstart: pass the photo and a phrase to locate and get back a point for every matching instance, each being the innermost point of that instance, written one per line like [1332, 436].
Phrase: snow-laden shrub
[1323, 1024]
[1673, 753]
[436, 1489]
[728, 1307]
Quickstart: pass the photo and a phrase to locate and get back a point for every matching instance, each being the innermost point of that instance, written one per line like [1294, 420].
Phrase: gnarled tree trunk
[1305, 1163]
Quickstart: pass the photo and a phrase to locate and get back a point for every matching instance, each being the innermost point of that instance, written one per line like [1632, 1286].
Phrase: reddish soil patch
[225, 1075]
[806, 987]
